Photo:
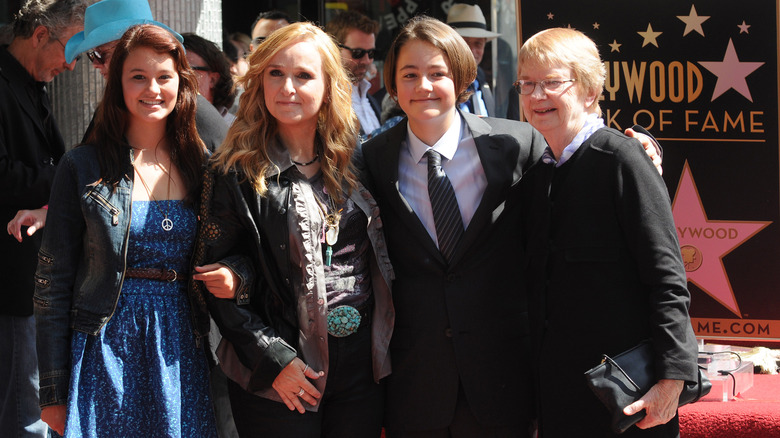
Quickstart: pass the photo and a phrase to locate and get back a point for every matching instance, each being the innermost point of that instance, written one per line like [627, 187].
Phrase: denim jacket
[81, 264]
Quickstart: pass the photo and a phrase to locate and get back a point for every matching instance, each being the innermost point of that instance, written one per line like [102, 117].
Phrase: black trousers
[464, 425]
[351, 407]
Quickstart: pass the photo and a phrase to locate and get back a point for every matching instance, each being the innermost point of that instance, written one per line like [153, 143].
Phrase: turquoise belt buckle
[343, 321]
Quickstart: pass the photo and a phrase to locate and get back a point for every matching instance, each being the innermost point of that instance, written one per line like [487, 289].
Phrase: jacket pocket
[105, 204]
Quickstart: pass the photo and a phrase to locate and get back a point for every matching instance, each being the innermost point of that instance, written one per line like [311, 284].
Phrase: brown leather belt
[160, 274]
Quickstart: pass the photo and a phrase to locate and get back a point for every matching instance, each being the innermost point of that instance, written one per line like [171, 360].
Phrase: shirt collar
[592, 124]
[279, 157]
[447, 144]
[362, 88]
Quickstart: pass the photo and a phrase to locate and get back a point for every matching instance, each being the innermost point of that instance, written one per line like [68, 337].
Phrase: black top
[30, 146]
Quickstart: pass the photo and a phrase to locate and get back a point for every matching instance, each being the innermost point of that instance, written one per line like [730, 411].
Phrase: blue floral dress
[142, 375]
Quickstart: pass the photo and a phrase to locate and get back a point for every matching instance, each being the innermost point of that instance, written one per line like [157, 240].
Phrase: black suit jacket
[464, 323]
[28, 153]
[606, 274]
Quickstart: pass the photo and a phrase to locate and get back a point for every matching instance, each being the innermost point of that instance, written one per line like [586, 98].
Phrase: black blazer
[28, 155]
[463, 323]
[606, 273]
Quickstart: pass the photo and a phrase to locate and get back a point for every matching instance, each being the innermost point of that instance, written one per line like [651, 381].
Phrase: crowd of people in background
[247, 242]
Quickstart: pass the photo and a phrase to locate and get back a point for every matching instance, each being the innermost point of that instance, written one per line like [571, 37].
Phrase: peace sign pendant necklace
[167, 223]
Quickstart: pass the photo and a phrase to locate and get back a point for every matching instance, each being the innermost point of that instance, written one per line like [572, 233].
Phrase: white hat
[469, 21]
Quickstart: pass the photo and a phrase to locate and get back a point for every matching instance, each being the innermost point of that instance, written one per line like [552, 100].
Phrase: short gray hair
[55, 15]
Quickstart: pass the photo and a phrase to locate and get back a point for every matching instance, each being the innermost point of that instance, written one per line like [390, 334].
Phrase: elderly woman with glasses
[605, 266]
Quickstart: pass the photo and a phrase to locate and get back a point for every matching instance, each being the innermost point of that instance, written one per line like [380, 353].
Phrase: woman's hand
[220, 280]
[292, 386]
[34, 220]
[650, 148]
[55, 416]
[660, 403]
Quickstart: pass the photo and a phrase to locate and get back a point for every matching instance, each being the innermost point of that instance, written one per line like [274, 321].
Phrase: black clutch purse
[621, 380]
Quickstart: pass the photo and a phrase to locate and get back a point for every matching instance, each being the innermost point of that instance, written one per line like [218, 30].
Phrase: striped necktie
[446, 214]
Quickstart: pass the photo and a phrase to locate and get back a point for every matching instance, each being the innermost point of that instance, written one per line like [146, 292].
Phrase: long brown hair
[247, 141]
[111, 120]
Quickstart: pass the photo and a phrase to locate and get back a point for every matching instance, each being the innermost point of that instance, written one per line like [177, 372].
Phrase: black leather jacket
[250, 234]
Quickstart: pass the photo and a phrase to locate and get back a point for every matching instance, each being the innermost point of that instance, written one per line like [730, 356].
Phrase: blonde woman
[296, 260]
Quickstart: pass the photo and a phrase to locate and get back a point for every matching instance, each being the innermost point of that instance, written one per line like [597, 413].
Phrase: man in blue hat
[104, 23]
[30, 147]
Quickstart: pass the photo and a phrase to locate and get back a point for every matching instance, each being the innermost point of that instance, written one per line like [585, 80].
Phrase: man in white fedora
[469, 22]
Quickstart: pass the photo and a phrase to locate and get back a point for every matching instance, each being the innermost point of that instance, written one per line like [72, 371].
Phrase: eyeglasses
[63, 48]
[551, 85]
[359, 53]
[95, 56]
[200, 68]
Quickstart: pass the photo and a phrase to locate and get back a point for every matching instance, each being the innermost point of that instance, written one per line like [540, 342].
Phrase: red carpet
[754, 414]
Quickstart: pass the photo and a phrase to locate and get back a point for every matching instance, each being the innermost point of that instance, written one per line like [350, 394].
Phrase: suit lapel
[498, 173]
[387, 182]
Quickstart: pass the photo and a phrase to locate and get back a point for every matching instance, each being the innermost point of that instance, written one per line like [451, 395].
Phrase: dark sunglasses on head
[200, 68]
[359, 53]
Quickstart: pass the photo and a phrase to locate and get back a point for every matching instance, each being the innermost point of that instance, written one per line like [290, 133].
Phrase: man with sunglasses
[356, 36]
[100, 57]
[30, 147]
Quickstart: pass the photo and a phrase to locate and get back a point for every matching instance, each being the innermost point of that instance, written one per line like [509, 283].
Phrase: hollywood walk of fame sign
[703, 78]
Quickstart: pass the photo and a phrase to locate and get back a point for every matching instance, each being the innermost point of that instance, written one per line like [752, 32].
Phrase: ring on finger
[300, 393]
[305, 368]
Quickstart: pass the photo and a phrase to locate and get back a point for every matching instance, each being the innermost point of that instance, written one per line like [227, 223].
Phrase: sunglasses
[200, 68]
[359, 53]
[96, 57]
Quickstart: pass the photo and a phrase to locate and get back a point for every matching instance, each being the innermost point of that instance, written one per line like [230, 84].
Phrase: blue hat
[107, 21]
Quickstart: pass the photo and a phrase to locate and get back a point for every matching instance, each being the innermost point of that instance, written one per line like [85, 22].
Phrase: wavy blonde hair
[246, 146]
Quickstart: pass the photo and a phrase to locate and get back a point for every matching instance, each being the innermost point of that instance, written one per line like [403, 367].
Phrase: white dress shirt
[365, 114]
[460, 162]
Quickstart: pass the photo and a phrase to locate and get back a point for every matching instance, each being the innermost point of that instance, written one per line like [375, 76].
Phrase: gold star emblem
[650, 36]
